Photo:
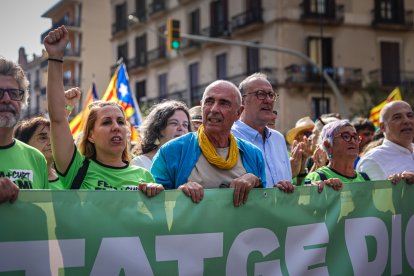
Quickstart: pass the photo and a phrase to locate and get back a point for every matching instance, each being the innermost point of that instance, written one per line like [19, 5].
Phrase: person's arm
[61, 137]
[8, 190]
[72, 97]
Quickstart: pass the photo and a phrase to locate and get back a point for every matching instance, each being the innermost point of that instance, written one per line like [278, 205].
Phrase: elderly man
[395, 155]
[21, 166]
[258, 101]
[212, 157]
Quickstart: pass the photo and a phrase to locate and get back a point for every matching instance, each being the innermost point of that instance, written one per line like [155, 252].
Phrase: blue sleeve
[261, 168]
[159, 170]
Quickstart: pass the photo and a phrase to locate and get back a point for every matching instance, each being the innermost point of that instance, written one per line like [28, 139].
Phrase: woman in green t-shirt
[340, 141]
[102, 162]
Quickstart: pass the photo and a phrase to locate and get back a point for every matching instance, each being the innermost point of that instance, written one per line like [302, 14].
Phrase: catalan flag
[395, 95]
[119, 91]
[77, 123]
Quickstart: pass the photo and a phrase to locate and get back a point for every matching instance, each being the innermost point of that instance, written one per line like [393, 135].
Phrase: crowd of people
[229, 141]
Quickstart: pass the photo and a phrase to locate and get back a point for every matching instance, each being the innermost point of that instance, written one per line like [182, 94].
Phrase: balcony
[137, 62]
[156, 7]
[156, 54]
[247, 18]
[330, 15]
[178, 95]
[72, 53]
[69, 82]
[64, 21]
[217, 30]
[396, 78]
[308, 74]
[119, 26]
[405, 22]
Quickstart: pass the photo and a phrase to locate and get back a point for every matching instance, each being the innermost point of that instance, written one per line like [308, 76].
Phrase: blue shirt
[174, 161]
[273, 148]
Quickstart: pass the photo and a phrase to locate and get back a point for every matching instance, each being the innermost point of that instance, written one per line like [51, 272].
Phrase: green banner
[366, 229]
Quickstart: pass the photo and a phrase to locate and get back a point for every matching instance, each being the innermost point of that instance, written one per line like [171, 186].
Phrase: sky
[21, 25]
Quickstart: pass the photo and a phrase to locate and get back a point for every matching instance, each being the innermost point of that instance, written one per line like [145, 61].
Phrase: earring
[330, 156]
[157, 142]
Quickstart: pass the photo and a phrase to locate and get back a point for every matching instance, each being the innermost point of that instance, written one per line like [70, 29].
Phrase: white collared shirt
[385, 160]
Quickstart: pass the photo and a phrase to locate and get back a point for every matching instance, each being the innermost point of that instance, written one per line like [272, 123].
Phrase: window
[253, 63]
[140, 88]
[140, 10]
[320, 106]
[390, 63]
[221, 66]
[390, 11]
[123, 52]
[195, 95]
[320, 51]
[162, 86]
[120, 17]
[218, 18]
[141, 50]
[195, 22]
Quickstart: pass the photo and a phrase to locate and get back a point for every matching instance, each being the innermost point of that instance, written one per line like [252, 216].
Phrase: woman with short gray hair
[340, 142]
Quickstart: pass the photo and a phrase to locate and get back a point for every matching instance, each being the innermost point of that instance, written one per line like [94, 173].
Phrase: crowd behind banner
[229, 141]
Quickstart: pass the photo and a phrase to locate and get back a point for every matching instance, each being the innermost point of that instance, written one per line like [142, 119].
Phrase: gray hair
[330, 130]
[224, 84]
[245, 82]
[12, 69]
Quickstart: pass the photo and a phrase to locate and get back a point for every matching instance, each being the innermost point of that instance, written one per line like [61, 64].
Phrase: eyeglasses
[14, 94]
[347, 137]
[261, 95]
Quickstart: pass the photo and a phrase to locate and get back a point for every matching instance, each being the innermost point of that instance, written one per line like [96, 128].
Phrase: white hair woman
[340, 142]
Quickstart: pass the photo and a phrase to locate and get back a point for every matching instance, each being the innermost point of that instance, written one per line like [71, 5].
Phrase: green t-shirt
[329, 173]
[103, 177]
[24, 165]
[56, 184]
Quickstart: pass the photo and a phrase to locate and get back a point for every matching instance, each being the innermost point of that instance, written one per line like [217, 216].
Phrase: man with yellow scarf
[212, 157]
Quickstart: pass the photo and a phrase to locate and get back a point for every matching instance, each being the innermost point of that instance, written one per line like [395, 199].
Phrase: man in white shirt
[396, 154]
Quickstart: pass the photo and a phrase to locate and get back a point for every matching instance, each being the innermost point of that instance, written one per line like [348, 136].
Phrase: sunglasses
[14, 94]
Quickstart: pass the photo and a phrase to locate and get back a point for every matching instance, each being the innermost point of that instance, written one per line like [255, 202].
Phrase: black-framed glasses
[347, 137]
[261, 95]
[14, 94]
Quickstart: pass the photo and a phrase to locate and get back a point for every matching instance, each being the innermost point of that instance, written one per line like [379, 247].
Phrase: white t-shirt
[142, 161]
[385, 160]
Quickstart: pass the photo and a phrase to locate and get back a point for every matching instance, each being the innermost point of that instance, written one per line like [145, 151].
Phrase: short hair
[361, 123]
[85, 146]
[384, 110]
[225, 83]
[12, 69]
[330, 130]
[247, 80]
[156, 121]
[25, 129]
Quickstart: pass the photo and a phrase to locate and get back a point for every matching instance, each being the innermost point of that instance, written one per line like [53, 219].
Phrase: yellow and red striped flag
[77, 123]
[119, 91]
[395, 95]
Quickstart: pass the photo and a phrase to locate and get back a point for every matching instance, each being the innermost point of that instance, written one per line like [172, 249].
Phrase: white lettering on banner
[355, 232]
[298, 259]
[119, 253]
[396, 248]
[32, 257]
[189, 250]
[409, 241]
[256, 239]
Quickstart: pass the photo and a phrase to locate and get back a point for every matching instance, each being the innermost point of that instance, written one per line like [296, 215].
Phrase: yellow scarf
[210, 152]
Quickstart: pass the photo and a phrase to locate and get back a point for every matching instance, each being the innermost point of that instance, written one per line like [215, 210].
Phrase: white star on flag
[123, 89]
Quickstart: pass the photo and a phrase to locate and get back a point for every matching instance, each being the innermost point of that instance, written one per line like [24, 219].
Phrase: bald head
[222, 85]
[391, 108]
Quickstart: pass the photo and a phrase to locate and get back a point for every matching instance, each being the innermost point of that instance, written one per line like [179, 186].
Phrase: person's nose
[5, 98]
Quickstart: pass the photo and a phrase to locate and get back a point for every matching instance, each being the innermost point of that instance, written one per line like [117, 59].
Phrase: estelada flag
[119, 91]
[77, 123]
[395, 95]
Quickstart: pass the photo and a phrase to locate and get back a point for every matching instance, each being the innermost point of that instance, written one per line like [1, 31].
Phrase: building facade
[88, 54]
[358, 44]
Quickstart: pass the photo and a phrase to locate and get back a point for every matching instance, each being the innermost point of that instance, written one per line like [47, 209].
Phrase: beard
[8, 116]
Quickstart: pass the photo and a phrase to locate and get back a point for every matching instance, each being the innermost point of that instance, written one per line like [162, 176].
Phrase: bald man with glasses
[21, 166]
[258, 100]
